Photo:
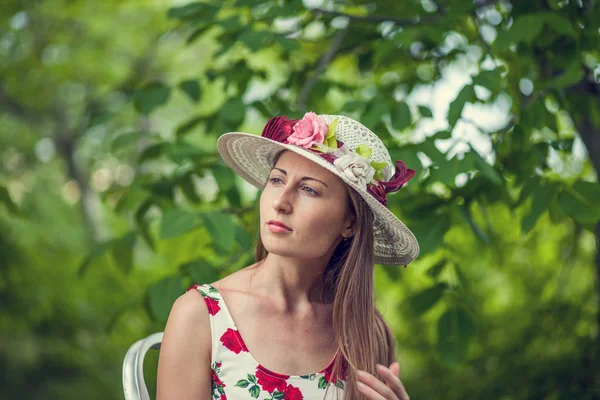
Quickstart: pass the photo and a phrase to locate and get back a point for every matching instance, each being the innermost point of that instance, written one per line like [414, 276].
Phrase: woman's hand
[375, 389]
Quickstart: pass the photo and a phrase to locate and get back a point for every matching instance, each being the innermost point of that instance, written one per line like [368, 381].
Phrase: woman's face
[308, 199]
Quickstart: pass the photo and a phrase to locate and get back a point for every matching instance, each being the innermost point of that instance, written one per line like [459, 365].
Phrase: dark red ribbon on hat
[280, 127]
[400, 177]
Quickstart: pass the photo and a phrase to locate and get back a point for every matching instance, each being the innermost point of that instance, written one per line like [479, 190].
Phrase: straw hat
[346, 148]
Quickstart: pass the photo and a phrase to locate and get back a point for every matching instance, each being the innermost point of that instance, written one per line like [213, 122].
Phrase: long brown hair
[362, 335]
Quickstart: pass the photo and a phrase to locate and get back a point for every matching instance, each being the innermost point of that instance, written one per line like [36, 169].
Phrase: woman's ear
[349, 227]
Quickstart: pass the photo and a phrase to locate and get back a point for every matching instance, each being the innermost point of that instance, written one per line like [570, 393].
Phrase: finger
[393, 381]
[368, 391]
[374, 387]
[395, 368]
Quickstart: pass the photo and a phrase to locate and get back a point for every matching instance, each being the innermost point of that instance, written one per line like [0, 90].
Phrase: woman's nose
[282, 201]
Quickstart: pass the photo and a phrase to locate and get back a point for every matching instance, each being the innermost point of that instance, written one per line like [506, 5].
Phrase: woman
[301, 322]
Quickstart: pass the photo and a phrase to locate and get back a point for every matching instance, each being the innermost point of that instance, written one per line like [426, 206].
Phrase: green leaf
[364, 150]
[580, 202]
[560, 24]
[373, 116]
[278, 395]
[150, 97]
[486, 169]
[254, 391]
[192, 10]
[430, 231]
[285, 43]
[455, 331]
[122, 251]
[400, 116]
[200, 271]
[188, 125]
[437, 268]
[124, 140]
[456, 107]
[571, 76]
[98, 250]
[423, 301]
[233, 111]
[330, 139]
[425, 112]
[541, 200]
[465, 212]
[150, 152]
[322, 383]
[526, 28]
[191, 87]
[378, 166]
[7, 200]
[255, 40]
[176, 222]
[242, 383]
[162, 295]
[181, 152]
[490, 79]
[529, 186]
[232, 23]
[224, 176]
[222, 229]
[186, 184]
[408, 154]
[197, 33]
[251, 378]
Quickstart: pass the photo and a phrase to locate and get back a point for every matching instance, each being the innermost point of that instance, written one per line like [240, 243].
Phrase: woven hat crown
[352, 133]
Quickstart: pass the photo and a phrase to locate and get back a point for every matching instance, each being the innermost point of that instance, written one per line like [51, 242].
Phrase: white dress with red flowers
[236, 375]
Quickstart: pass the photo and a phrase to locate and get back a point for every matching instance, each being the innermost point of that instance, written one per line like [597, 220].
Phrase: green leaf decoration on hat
[330, 139]
[378, 166]
[364, 151]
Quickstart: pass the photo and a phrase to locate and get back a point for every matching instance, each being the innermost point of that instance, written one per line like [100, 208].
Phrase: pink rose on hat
[309, 130]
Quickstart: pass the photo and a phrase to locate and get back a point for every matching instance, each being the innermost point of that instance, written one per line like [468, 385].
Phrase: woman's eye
[310, 190]
[275, 180]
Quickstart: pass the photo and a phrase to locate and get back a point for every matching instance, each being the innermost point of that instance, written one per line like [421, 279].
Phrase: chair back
[134, 386]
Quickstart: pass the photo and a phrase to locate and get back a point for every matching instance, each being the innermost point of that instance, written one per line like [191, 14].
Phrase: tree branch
[12, 106]
[379, 18]
[325, 60]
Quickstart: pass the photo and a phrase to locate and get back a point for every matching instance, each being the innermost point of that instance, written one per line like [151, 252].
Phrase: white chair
[134, 386]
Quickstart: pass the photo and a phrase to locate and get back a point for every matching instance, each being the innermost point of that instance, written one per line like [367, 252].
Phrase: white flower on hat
[355, 167]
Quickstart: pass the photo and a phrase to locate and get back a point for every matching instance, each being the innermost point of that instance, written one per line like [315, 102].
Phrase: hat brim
[251, 156]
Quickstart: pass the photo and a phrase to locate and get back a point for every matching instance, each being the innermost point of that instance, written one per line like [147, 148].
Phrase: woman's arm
[184, 358]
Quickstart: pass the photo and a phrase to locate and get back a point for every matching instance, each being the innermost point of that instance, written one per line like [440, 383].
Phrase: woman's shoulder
[236, 281]
[189, 313]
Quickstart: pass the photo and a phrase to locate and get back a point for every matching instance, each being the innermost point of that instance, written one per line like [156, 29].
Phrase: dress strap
[222, 327]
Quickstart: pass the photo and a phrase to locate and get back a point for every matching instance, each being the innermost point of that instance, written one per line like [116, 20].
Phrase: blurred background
[113, 199]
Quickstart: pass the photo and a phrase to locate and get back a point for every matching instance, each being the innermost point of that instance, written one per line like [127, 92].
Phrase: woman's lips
[279, 227]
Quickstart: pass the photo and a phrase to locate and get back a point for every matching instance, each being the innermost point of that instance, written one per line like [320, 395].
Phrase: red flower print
[216, 380]
[233, 341]
[270, 382]
[193, 287]
[212, 305]
[223, 397]
[292, 393]
[343, 373]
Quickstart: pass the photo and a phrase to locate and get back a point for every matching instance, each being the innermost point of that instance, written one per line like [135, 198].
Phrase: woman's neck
[292, 283]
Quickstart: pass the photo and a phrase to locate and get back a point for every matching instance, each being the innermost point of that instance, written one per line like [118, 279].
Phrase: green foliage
[113, 198]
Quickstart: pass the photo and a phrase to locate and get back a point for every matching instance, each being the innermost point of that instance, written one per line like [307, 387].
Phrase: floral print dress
[236, 375]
